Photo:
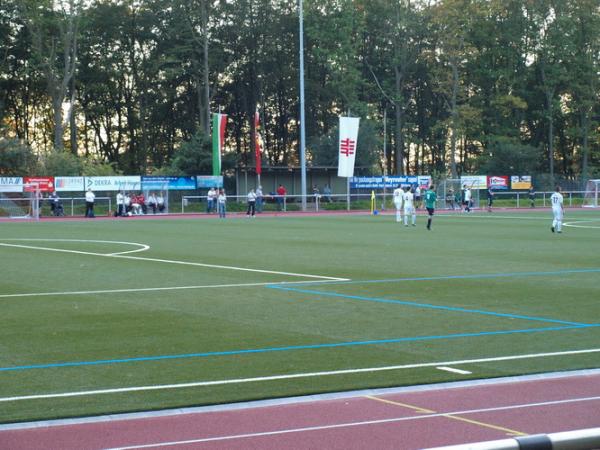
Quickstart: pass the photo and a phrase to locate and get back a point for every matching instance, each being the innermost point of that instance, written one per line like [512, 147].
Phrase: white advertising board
[11, 184]
[116, 183]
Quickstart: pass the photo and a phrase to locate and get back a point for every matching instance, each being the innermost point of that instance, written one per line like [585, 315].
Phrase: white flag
[347, 146]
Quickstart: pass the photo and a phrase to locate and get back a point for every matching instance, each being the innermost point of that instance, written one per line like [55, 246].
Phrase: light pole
[302, 128]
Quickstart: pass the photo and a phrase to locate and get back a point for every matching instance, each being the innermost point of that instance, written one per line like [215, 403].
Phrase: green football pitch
[107, 316]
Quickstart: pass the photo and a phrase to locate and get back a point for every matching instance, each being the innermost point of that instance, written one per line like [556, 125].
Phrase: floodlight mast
[302, 116]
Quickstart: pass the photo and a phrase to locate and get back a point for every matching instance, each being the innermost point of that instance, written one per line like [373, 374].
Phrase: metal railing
[587, 439]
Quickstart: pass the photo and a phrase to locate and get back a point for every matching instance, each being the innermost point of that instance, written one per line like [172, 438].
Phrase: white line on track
[362, 423]
[292, 376]
[453, 370]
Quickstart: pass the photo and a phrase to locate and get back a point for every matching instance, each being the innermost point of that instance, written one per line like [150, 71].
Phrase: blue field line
[423, 305]
[459, 277]
[289, 348]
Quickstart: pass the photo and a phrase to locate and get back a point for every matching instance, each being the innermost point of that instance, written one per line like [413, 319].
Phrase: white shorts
[398, 205]
[409, 210]
[558, 213]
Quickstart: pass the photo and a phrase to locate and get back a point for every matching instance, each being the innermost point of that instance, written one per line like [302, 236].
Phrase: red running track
[405, 418]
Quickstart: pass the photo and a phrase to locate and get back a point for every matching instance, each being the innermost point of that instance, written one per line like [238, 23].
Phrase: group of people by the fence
[138, 204]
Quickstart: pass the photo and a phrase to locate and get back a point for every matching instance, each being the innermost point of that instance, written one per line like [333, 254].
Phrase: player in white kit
[557, 210]
[409, 208]
[398, 202]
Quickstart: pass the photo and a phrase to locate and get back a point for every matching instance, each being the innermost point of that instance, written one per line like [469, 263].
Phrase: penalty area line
[155, 289]
[291, 376]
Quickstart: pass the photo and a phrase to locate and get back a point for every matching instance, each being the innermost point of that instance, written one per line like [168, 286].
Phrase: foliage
[456, 77]
[16, 158]
[62, 163]
[508, 156]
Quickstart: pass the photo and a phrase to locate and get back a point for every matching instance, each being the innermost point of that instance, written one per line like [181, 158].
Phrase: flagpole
[302, 117]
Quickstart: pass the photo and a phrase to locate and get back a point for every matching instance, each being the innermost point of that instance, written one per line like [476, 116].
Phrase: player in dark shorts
[430, 199]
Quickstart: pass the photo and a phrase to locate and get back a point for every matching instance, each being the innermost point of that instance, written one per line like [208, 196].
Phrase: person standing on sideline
[430, 199]
[210, 199]
[251, 204]
[221, 203]
[327, 193]
[490, 198]
[397, 196]
[468, 197]
[259, 199]
[89, 203]
[531, 195]
[557, 210]
[120, 204]
[281, 192]
[409, 207]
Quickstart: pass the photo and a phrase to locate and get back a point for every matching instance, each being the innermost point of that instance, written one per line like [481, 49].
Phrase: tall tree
[54, 30]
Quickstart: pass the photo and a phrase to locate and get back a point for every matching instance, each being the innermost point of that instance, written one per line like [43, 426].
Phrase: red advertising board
[498, 182]
[46, 184]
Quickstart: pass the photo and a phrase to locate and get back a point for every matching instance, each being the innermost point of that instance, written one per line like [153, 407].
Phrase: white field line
[575, 224]
[163, 288]
[143, 247]
[362, 423]
[243, 269]
[292, 376]
[187, 263]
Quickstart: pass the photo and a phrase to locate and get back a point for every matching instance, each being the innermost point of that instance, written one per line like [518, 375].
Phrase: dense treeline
[496, 86]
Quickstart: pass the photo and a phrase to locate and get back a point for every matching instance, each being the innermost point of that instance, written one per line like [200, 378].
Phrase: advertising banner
[158, 183]
[390, 181]
[520, 182]
[347, 146]
[114, 183]
[11, 184]
[498, 182]
[46, 184]
[474, 181]
[66, 184]
[206, 181]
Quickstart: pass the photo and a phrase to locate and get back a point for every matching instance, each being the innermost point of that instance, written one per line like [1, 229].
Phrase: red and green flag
[218, 138]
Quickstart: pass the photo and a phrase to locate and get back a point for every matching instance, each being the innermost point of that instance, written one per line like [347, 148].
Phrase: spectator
[490, 198]
[160, 202]
[467, 198]
[327, 193]
[211, 196]
[316, 193]
[450, 199]
[127, 203]
[251, 204]
[89, 204]
[120, 204]
[259, 199]
[142, 202]
[136, 207]
[152, 202]
[222, 203]
[531, 195]
[281, 193]
[54, 201]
